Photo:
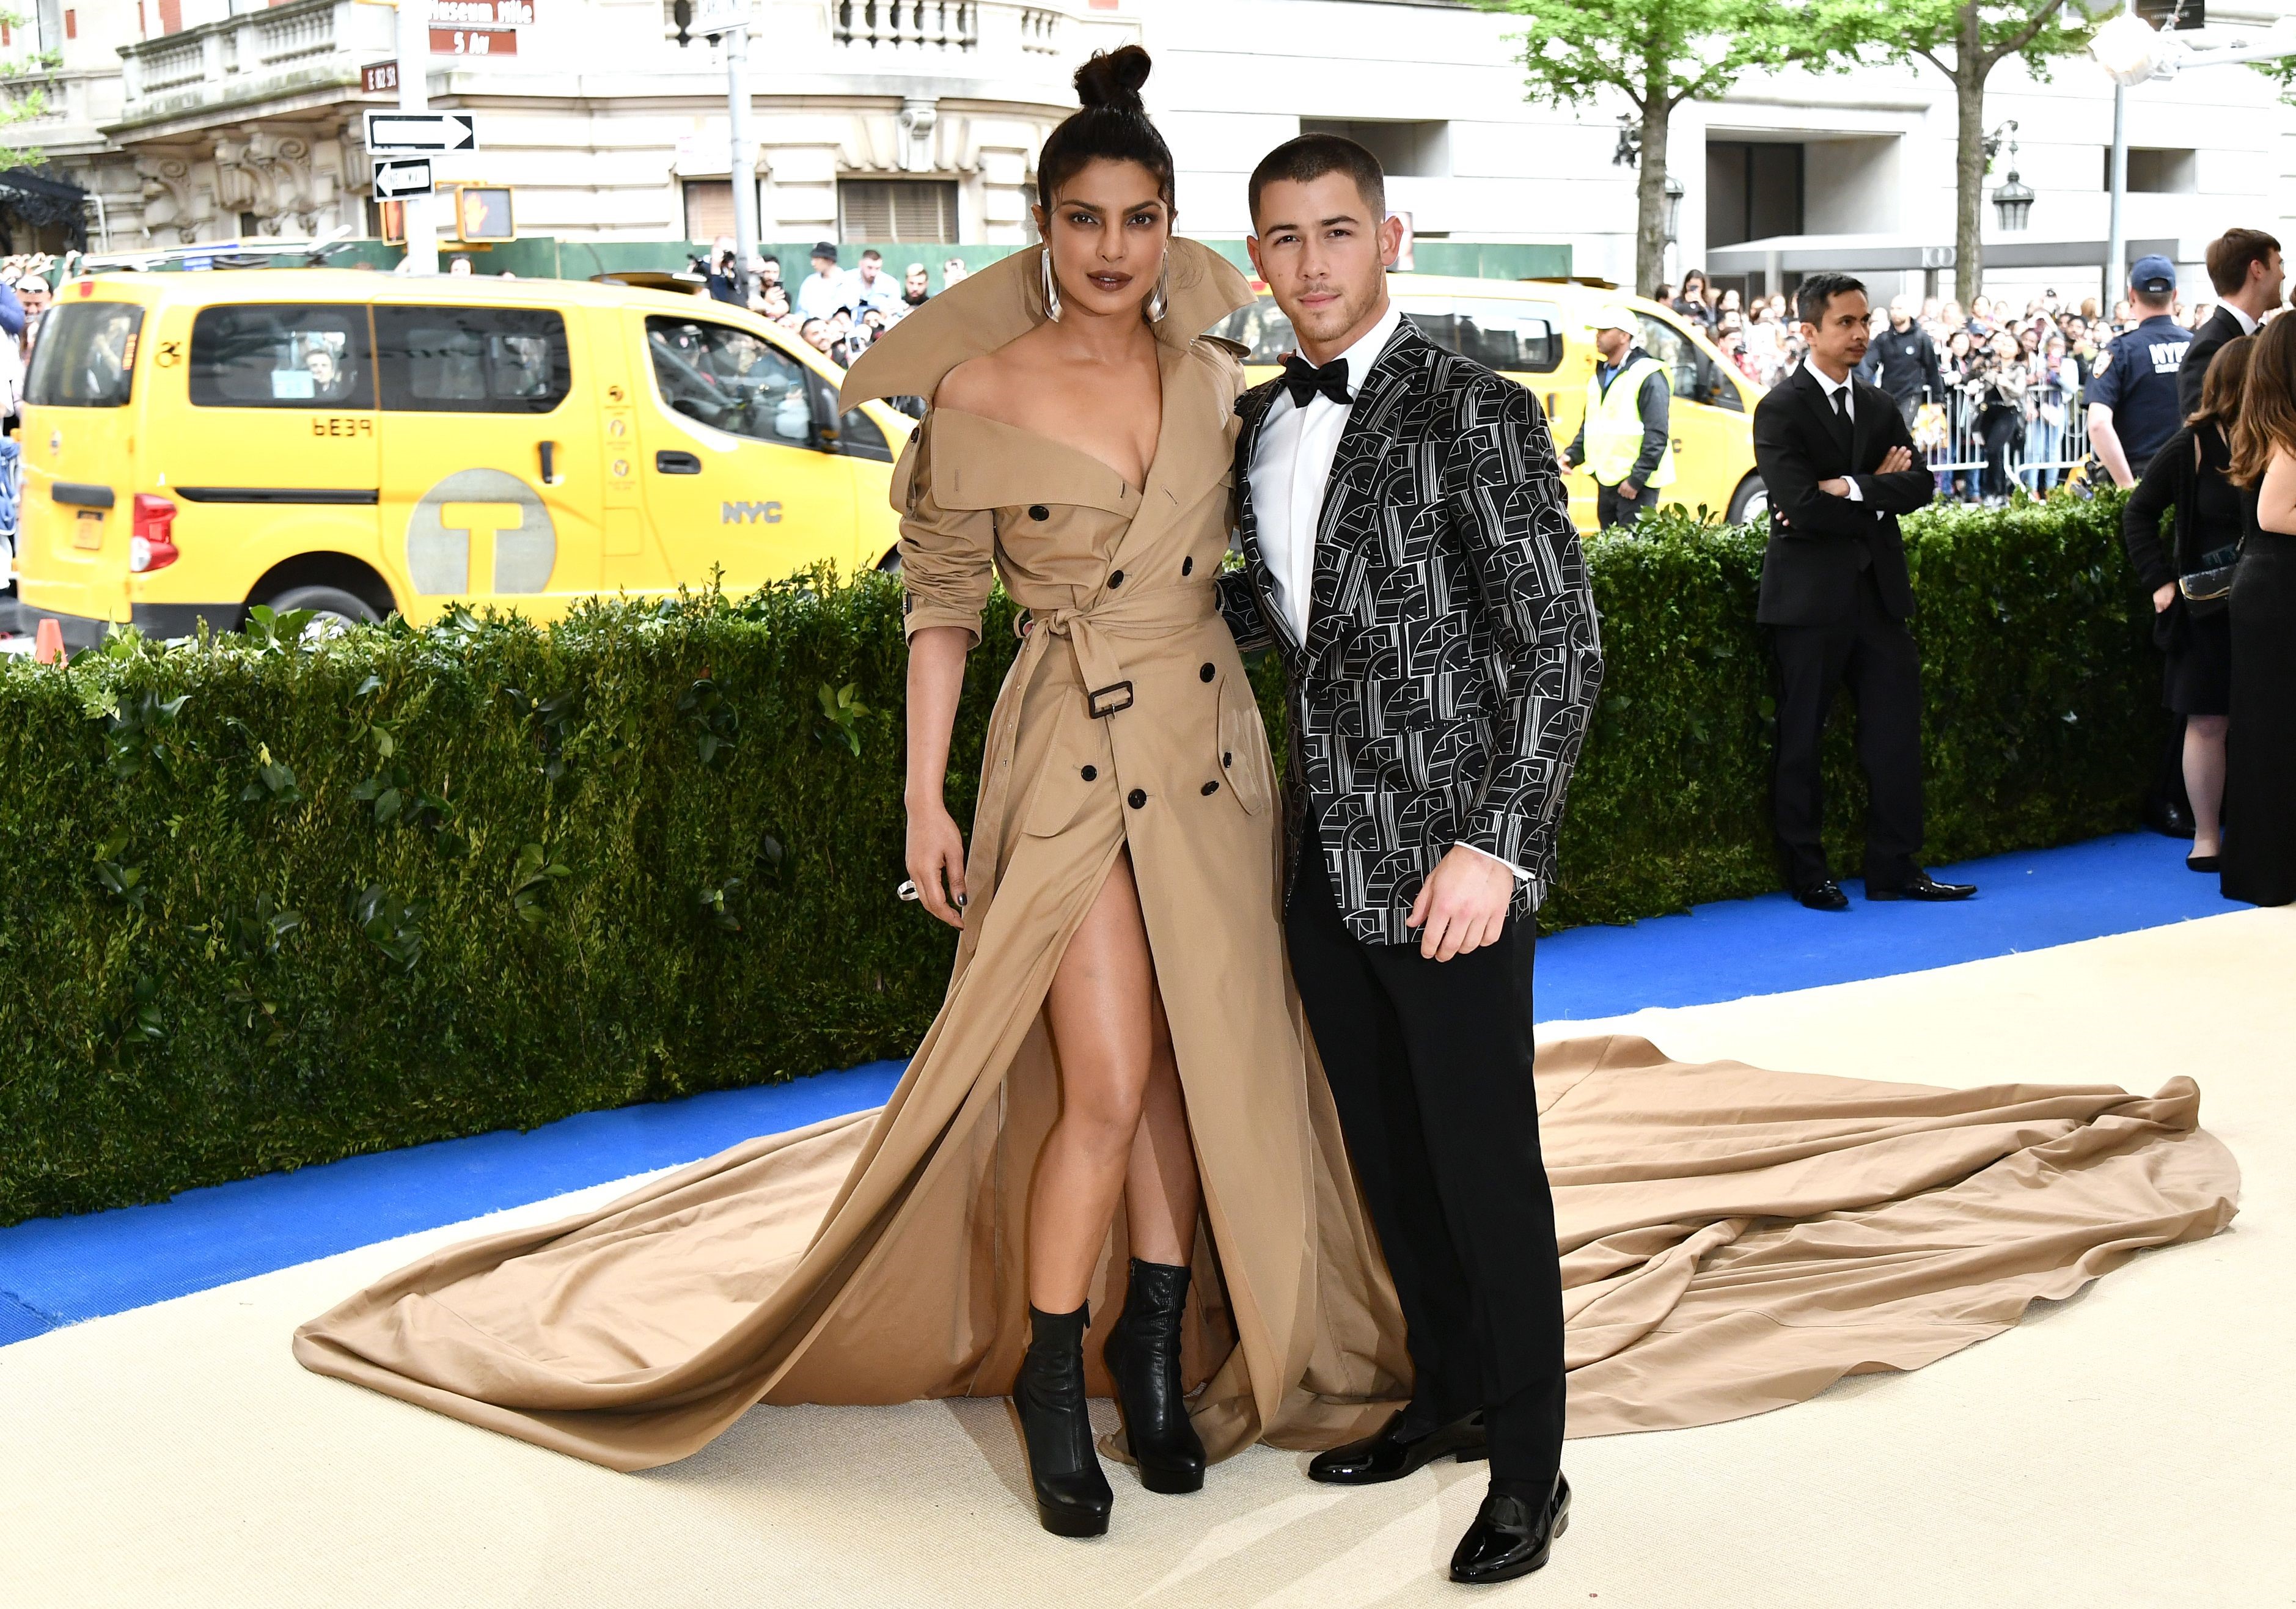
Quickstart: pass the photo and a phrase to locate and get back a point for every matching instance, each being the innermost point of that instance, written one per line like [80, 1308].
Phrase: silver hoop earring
[1051, 288]
[1159, 299]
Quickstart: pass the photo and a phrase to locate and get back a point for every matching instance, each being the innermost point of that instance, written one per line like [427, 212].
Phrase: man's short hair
[1812, 295]
[872, 255]
[1310, 156]
[2231, 252]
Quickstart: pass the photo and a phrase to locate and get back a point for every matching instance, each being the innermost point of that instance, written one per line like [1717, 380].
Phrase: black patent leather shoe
[1825, 896]
[1143, 1355]
[2204, 863]
[1923, 886]
[1073, 1495]
[1392, 1452]
[1511, 1536]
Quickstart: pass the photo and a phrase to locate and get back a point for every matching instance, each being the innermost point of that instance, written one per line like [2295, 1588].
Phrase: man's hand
[1838, 487]
[2163, 595]
[1462, 905]
[1562, 462]
[1897, 461]
[1629, 490]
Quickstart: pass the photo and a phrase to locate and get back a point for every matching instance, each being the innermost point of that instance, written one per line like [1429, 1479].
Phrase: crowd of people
[835, 310]
[1995, 396]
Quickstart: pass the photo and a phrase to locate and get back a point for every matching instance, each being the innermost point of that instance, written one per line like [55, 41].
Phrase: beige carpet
[2129, 1447]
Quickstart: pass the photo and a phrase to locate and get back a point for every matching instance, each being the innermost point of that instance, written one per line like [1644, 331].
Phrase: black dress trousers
[1873, 653]
[1430, 1066]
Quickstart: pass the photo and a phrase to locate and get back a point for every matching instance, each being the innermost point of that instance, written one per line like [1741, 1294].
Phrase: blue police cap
[2154, 275]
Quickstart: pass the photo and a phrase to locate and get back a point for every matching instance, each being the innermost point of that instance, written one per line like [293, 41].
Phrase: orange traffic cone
[48, 642]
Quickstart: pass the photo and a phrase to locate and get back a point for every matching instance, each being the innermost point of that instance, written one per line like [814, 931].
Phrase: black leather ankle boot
[1143, 1358]
[1072, 1494]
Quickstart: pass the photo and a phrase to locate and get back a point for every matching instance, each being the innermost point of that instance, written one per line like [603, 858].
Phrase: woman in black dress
[2259, 852]
[2188, 475]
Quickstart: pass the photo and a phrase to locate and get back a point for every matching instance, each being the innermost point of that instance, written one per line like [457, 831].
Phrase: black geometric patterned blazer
[1453, 654]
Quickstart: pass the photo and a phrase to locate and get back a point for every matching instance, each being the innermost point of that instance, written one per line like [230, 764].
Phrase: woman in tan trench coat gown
[1126, 749]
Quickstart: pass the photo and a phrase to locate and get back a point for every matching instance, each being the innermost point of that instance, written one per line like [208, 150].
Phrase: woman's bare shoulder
[972, 387]
[996, 383]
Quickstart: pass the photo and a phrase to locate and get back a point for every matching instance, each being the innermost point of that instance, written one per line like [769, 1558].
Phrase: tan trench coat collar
[1007, 300]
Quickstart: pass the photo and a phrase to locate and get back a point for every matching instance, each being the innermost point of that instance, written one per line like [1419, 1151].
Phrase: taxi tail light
[151, 539]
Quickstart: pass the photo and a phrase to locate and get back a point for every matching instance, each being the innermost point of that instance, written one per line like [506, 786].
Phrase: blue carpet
[1768, 944]
[56, 1271]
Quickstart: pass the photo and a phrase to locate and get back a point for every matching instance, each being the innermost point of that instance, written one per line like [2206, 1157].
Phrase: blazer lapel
[1370, 431]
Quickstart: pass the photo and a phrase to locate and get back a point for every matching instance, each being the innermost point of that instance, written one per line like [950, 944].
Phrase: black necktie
[1304, 379]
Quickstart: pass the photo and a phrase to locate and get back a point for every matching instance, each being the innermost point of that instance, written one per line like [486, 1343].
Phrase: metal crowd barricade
[2046, 447]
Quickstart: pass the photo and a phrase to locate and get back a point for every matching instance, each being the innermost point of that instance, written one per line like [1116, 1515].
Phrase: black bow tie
[1304, 379]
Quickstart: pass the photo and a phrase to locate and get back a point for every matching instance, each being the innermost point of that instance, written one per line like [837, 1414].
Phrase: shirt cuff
[1857, 492]
[1519, 875]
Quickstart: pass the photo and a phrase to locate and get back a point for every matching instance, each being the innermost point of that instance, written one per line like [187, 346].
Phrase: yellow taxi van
[355, 443]
[1539, 333]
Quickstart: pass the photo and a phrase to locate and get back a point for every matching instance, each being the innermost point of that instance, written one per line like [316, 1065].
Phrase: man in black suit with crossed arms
[1840, 467]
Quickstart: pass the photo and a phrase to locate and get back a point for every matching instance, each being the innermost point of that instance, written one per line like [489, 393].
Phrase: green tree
[1965, 40]
[24, 87]
[1659, 54]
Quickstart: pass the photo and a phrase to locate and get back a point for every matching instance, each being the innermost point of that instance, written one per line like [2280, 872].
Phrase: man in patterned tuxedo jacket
[1408, 550]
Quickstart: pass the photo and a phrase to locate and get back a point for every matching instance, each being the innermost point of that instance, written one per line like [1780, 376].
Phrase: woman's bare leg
[1108, 1031]
[2204, 778]
[1161, 1190]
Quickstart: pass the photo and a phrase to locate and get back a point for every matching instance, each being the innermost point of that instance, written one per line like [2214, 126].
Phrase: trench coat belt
[1088, 631]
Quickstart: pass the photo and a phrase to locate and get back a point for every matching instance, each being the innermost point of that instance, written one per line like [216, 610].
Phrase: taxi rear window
[472, 360]
[85, 357]
[281, 355]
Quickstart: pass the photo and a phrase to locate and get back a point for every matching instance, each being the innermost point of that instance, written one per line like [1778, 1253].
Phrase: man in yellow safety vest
[1622, 439]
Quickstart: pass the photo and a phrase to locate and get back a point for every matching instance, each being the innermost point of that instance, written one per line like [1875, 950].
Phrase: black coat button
[1211, 788]
[1207, 673]
[1091, 773]
[1188, 565]
[1136, 798]
[1226, 761]
[1038, 510]
[1116, 579]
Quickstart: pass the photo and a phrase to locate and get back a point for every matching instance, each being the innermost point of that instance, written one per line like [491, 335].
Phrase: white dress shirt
[1847, 407]
[2248, 326]
[1291, 464]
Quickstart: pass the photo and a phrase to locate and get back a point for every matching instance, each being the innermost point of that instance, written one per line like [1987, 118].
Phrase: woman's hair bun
[1111, 80]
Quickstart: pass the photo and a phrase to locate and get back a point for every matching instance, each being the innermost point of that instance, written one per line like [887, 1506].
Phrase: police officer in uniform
[2132, 398]
[2132, 409]
[1622, 439]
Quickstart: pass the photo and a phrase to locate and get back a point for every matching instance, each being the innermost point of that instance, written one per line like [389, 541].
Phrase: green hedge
[264, 905]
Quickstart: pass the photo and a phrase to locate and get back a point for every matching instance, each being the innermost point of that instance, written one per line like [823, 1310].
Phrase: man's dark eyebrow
[1344, 217]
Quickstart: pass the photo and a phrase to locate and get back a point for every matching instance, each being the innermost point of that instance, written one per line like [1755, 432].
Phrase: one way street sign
[408, 176]
[422, 131]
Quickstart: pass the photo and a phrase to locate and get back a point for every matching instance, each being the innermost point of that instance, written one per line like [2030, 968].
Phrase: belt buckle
[1102, 711]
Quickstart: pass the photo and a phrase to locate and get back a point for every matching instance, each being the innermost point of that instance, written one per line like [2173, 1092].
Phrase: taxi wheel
[1750, 502]
[331, 608]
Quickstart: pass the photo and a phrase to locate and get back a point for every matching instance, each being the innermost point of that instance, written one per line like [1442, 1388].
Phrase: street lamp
[1674, 195]
[2013, 203]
